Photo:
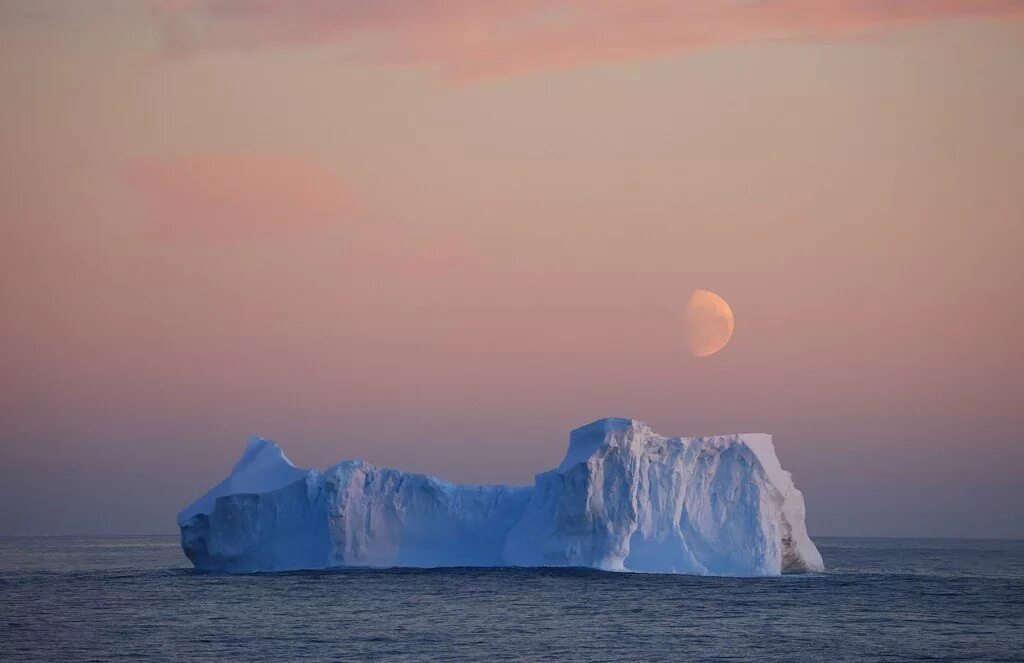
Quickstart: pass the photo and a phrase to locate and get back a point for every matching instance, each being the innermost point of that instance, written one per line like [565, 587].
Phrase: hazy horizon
[438, 236]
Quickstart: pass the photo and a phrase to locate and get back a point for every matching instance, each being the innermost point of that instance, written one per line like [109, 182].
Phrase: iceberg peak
[587, 440]
[262, 456]
[263, 467]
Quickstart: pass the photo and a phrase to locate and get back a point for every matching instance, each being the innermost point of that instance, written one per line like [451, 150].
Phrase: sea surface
[137, 598]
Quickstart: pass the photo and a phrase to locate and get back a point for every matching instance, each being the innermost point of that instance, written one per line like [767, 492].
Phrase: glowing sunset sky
[439, 234]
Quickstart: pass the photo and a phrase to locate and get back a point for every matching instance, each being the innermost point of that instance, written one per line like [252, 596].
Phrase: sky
[438, 235]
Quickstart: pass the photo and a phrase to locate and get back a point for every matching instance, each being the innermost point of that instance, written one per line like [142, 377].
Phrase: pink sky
[471, 39]
[438, 236]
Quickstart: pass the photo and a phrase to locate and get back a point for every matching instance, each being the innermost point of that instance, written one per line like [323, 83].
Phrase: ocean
[137, 598]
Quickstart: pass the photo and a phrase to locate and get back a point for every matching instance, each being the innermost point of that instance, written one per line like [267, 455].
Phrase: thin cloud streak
[472, 39]
[230, 196]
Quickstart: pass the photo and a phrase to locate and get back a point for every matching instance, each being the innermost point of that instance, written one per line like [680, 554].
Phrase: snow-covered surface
[262, 468]
[623, 499]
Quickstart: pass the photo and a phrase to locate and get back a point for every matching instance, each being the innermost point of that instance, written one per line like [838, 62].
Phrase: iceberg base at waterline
[623, 499]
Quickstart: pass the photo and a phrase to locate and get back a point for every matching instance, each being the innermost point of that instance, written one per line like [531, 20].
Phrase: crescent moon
[709, 323]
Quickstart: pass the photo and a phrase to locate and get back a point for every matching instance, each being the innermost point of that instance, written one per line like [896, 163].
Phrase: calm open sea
[77, 599]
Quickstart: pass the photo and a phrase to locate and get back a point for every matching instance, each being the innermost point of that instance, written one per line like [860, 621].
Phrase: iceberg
[623, 499]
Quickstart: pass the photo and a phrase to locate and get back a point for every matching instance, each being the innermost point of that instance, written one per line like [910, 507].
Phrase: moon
[709, 323]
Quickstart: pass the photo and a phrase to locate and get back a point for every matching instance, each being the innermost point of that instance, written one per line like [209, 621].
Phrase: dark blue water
[75, 599]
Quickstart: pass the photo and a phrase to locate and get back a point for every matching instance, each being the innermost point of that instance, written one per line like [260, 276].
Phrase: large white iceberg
[624, 499]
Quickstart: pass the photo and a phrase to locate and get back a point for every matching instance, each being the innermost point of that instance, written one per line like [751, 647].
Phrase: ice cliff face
[624, 499]
[627, 499]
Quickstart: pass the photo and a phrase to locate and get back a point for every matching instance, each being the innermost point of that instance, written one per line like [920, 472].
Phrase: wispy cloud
[474, 38]
[228, 196]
